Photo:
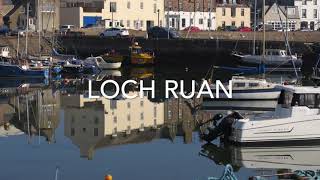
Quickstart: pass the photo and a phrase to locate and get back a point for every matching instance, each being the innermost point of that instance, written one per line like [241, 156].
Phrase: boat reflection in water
[97, 123]
[266, 159]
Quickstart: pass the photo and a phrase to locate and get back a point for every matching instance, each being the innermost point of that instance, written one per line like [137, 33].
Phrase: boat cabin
[276, 52]
[242, 82]
[4, 51]
[307, 96]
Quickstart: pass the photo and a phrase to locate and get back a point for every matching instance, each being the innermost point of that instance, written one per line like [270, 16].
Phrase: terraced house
[130, 14]
[309, 13]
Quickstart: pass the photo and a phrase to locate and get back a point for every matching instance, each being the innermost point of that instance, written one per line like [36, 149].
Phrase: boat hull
[276, 130]
[110, 65]
[238, 105]
[270, 61]
[8, 70]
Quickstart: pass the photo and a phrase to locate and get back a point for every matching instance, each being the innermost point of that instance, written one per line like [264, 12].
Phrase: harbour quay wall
[175, 51]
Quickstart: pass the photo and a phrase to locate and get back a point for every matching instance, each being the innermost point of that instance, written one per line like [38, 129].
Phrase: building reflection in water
[33, 111]
[97, 123]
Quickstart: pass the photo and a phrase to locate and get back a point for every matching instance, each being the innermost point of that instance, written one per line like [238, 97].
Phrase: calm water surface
[129, 139]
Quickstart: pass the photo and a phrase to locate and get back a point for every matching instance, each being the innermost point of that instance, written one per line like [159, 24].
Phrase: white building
[309, 13]
[181, 19]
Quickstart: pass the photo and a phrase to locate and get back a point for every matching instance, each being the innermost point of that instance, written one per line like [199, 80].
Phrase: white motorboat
[103, 63]
[246, 89]
[297, 118]
[273, 58]
[287, 157]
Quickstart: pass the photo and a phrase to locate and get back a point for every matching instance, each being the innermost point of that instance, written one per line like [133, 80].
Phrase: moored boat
[140, 57]
[296, 118]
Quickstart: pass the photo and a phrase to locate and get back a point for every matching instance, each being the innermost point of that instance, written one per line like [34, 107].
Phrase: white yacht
[247, 94]
[273, 58]
[296, 118]
[103, 63]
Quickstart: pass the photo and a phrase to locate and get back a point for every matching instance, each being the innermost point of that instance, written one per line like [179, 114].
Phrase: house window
[198, 6]
[141, 23]
[115, 119]
[141, 5]
[128, 105]
[180, 6]
[96, 120]
[72, 132]
[113, 104]
[154, 111]
[315, 2]
[200, 21]
[233, 23]
[315, 13]
[209, 22]
[242, 12]
[304, 13]
[113, 7]
[154, 8]
[141, 103]
[233, 12]
[128, 23]
[84, 130]
[223, 24]
[170, 5]
[141, 116]
[128, 5]
[191, 21]
[242, 23]
[95, 132]
[128, 117]
[183, 22]
[304, 2]
[223, 11]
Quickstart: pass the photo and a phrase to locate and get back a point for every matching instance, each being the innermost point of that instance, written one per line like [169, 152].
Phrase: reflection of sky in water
[159, 159]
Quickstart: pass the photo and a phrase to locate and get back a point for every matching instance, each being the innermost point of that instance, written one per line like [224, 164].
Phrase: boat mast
[264, 31]
[27, 28]
[254, 29]
[39, 31]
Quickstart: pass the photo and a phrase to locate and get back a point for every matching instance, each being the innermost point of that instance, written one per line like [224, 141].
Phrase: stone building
[277, 16]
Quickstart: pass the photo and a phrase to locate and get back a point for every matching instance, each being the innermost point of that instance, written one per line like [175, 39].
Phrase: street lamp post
[158, 11]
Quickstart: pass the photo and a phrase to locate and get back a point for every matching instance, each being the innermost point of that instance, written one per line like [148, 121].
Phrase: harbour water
[51, 130]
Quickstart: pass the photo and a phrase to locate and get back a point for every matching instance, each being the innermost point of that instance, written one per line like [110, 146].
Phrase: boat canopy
[276, 52]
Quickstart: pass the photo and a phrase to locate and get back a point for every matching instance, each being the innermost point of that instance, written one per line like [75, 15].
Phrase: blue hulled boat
[8, 70]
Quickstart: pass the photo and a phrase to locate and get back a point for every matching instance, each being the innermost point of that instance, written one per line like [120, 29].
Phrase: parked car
[192, 29]
[4, 30]
[245, 29]
[305, 30]
[230, 28]
[66, 28]
[114, 32]
[162, 33]
[288, 29]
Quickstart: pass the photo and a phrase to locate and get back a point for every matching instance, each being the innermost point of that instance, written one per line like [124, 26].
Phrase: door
[150, 24]
[312, 25]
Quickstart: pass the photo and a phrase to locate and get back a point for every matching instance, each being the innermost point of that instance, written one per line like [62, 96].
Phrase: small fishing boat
[273, 58]
[10, 70]
[78, 67]
[103, 63]
[140, 57]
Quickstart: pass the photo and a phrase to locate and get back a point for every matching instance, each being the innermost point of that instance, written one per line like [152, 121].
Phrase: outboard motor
[223, 128]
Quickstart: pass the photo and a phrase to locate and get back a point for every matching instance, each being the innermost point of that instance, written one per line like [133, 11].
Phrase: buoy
[108, 177]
